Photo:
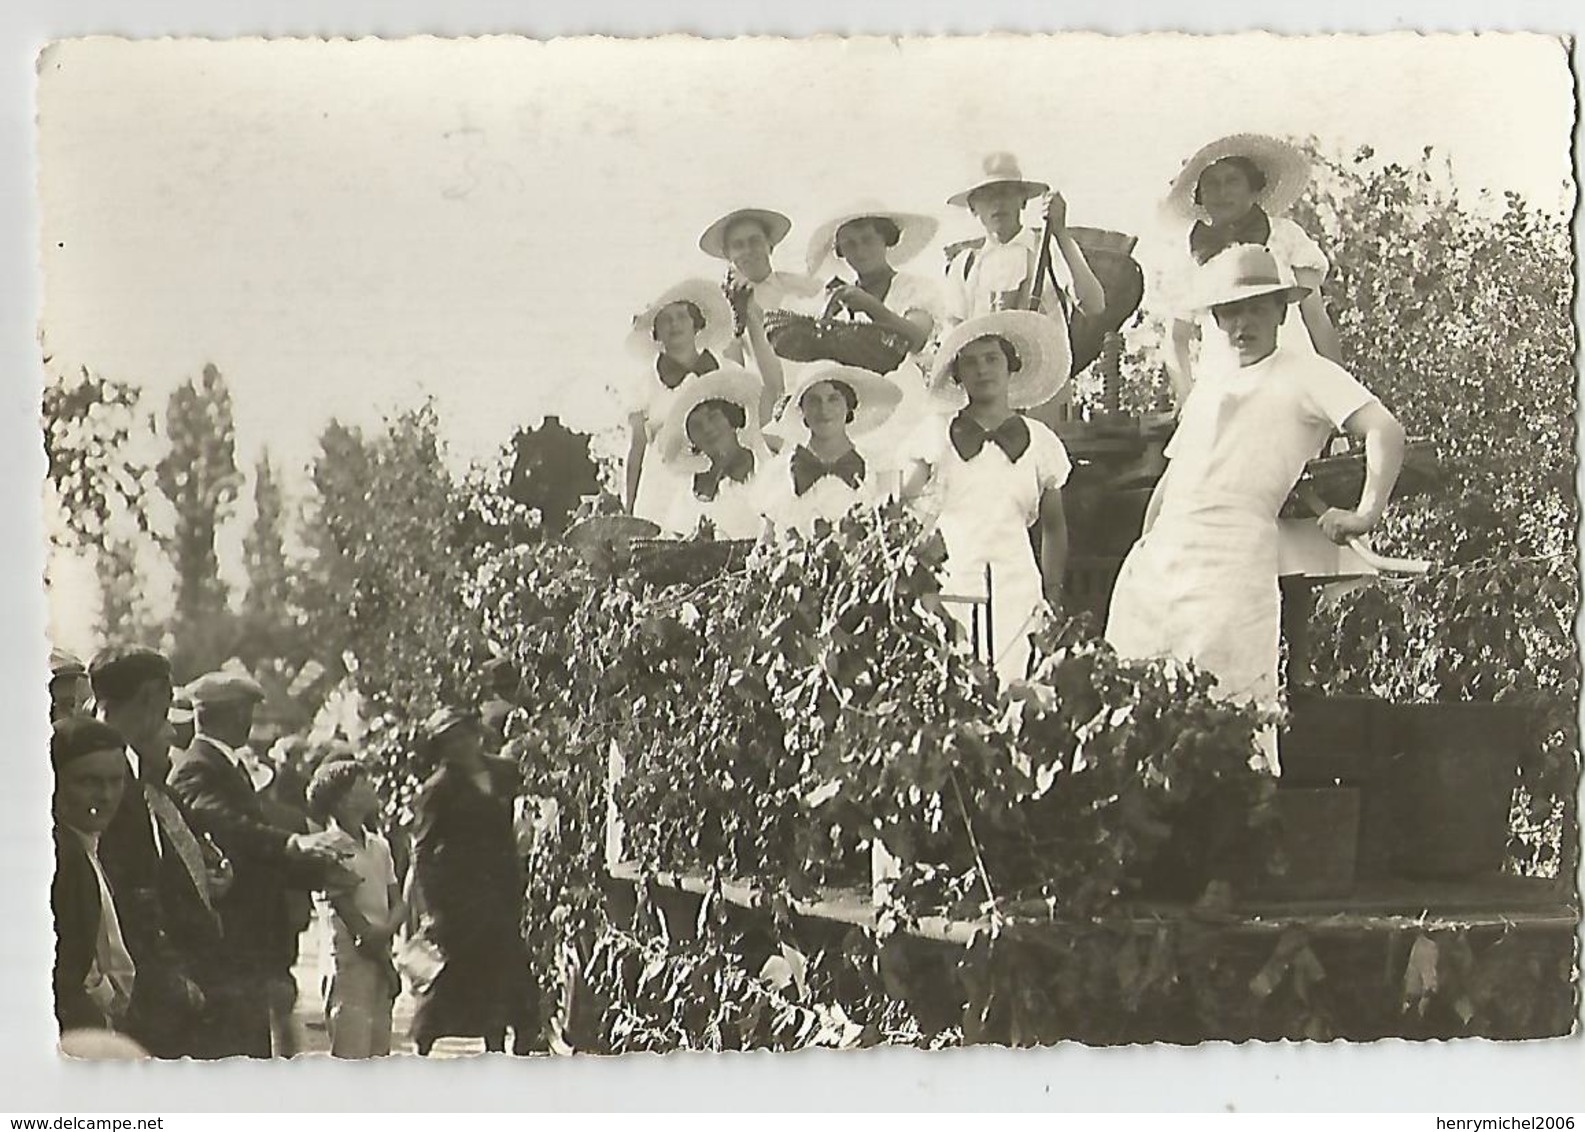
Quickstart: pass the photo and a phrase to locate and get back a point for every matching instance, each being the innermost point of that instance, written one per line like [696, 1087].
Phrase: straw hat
[1286, 167]
[729, 383]
[1044, 357]
[914, 232]
[1242, 271]
[999, 169]
[878, 398]
[702, 293]
[712, 242]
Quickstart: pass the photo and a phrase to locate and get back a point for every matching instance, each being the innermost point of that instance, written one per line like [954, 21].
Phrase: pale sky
[343, 227]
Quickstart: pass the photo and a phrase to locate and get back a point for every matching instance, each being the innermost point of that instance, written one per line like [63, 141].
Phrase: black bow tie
[808, 469]
[1206, 240]
[969, 436]
[673, 373]
[707, 484]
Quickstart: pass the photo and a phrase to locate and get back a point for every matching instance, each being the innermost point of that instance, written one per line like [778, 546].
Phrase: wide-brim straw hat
[999, 169]
[702, 293]
[712, 242]
[729, 383]
[914, 229]
[1286, 167]
[878, 398]
[1243, 271]
[1041, 343]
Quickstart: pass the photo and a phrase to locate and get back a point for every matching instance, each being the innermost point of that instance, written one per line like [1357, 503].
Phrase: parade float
[1084, 856]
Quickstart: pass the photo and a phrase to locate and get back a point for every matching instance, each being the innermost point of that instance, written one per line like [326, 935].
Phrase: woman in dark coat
[470, 886]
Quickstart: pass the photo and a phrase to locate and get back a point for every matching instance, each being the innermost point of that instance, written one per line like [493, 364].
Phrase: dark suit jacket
[169, 933]
[222, 803]
[74, 900]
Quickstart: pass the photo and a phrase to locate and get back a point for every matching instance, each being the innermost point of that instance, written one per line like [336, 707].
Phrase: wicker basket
[799, 338]
[1339, 479]
[670, 562]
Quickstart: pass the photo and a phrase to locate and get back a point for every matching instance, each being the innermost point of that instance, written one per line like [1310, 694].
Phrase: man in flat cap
[165, 878]
[68, 685]
[181, 720]
[211, 776]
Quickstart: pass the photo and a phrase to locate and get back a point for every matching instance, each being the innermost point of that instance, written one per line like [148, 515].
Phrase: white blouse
[736, 512]
[1246, 433]
[985, 506]
[977, 276]
[829, 498]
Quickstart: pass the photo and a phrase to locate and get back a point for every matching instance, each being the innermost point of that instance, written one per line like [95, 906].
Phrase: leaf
[1420, 974]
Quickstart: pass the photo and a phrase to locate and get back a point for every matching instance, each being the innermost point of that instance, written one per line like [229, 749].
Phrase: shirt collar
[232, 756]
[1023, 238]
[90, 840]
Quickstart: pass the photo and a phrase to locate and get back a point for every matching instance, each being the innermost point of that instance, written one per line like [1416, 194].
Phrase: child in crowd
[363, 918]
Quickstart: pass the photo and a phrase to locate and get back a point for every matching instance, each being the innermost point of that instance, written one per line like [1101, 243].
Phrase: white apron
[1202, 587]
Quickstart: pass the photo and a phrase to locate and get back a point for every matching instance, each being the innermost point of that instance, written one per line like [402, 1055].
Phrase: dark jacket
[222, 803]
[74, 901]
[470, 885]
[169, 932]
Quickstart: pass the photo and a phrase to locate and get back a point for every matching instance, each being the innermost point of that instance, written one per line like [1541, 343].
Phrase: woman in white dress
[1201, 582]
[822, 475]
[989, 474]
[683, 335]
[872, 242]
[711, 441]
[1235, 191]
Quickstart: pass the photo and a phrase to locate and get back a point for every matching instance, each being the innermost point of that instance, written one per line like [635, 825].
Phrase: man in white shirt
[1000, 274]
[1200, 585]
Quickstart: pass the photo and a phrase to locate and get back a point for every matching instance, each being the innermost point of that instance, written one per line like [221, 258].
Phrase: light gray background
[1464, 1076]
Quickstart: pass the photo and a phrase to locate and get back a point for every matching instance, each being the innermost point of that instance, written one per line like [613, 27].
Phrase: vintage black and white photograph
[605, 545]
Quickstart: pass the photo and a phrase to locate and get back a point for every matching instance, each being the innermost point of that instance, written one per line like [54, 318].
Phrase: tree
[198, 475]
[552, 472]
[267, 624]
[330, 528]
[391, 560]
[1458, 315]
[120, 605]
[89, 423]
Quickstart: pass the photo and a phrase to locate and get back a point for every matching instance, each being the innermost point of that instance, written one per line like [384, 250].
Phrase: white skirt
[1017, 597]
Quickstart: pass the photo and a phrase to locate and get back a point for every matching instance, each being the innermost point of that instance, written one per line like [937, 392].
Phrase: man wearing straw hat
[1201, 582]
[1003, 274]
